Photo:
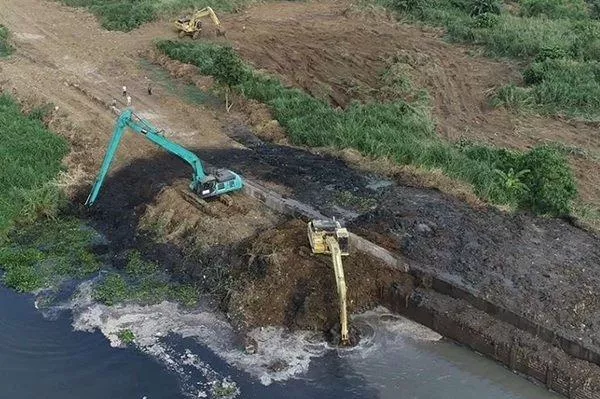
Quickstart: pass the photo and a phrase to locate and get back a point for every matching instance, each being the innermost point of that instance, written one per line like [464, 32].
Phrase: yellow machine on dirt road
[192, 25]
[329, 237]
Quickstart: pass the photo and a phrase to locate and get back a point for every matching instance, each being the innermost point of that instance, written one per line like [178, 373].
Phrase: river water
[42, 355]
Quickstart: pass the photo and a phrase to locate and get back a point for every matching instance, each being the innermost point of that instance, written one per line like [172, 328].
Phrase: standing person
[124, 91]
[128, 101]
[149, 88]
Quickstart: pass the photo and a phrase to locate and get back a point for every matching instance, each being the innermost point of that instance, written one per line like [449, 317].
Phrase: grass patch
[560, 38]
[42, 254]
[30, 158]
[398, 130]
[5, 47]
[144, 283]
[126, 15]
[38, 249]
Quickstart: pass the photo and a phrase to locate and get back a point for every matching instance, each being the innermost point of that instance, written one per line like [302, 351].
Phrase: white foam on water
[398, 325]
[280, 355]
[290, 353]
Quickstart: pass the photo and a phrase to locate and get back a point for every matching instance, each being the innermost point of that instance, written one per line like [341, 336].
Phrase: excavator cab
[318, 230]
[218, 182]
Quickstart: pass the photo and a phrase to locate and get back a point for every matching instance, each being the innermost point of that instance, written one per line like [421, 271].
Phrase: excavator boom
[203, 184]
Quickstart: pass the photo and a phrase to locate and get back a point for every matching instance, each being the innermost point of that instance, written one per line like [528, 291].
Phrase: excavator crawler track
[226, 200]
[198, 202]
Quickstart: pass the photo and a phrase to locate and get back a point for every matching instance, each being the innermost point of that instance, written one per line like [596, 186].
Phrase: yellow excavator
[329, 237]
[192, 25]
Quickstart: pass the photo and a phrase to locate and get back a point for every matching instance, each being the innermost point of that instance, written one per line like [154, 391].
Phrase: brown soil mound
[283, 283]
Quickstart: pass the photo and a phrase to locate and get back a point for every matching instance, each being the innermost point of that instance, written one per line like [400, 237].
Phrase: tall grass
[540, 32]
[398, 130]
[125, 15]
[37, 248]
[5, 47]
[30, 157]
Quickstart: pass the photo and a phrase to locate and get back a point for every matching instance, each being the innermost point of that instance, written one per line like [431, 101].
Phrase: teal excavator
[203, 185]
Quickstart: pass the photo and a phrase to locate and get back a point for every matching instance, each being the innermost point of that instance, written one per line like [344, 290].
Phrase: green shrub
[594, 8]
[5, 47]
[143, 282]
[514, 98]
[228, 68]
[480, 7]
[568, 86]
[126, 336]
[30, 157]
[138, 267]
[551, 186]
[575, 9]
[112, 290]
[44, 253]
[552, 53]
[486, 20]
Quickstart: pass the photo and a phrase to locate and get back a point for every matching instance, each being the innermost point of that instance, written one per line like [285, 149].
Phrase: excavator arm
[208, 12]
[338, 269]
[203, 184]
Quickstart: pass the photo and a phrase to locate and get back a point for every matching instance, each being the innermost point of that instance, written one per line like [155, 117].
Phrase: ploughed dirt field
[543, 268]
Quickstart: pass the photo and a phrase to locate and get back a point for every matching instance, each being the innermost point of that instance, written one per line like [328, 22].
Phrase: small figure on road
[114, 102]
[149, 89]
[124, 91]
[128, 101]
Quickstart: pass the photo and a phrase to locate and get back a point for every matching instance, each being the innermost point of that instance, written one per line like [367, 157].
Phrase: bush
[112, 290]
[574, 9]
[568, 86]
[5, 47]
[30, 157]
[126, 336]
[228, 68]
[513, 98]
[480, 7]
[551, 186]
[486, 20]
[594, 8]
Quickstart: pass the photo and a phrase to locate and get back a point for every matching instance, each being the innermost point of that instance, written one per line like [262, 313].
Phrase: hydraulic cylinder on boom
[203, 185]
